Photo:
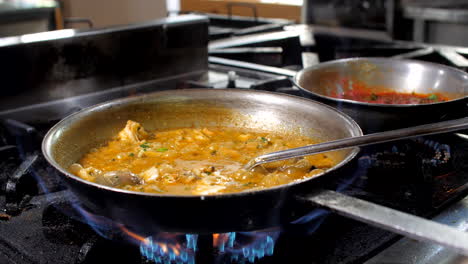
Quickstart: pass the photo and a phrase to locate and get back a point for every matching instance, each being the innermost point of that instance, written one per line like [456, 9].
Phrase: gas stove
[40, 221]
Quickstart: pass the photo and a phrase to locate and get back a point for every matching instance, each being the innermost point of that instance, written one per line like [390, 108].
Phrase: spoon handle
[381, 137]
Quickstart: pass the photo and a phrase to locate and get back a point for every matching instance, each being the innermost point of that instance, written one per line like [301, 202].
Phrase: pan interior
[74, 136]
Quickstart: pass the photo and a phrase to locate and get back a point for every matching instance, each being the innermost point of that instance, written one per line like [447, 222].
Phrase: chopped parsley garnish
[162, 149]
[264, 139]
[247, 184]
[432, 97]
[131, 155]
[373, 97]
[145, 146]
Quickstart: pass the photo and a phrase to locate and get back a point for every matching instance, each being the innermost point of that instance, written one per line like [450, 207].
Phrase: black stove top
[40, 221]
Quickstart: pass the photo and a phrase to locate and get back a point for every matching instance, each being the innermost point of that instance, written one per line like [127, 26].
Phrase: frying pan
[318, 82]
[147, 213]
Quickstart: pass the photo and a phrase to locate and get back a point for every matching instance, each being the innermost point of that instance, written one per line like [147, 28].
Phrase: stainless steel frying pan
[321, 81]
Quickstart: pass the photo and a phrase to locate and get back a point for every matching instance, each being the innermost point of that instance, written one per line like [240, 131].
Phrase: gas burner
[170, 248]
[233, 247]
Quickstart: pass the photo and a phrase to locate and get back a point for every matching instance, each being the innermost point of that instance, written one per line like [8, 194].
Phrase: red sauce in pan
[359, 91]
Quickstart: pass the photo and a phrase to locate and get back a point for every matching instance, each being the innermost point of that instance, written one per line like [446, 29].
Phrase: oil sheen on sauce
[196, 161]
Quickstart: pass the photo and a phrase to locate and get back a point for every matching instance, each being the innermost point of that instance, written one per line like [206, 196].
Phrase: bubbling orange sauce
[196, 161]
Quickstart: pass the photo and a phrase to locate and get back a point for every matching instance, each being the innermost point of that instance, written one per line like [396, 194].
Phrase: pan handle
[392, 220]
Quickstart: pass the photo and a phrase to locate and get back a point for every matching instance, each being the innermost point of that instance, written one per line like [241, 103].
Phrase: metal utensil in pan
[321, 81]
[146, 213]
[380, 137]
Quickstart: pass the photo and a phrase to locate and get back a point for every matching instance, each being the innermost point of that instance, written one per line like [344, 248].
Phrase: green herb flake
[145, 145]
[162, 149]
[213, 152]
[131, 155]
[247, 184]
[373, 97]
[432, 97]
[264, 139]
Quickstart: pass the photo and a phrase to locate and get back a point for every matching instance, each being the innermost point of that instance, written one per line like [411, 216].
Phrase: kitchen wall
[114, 12]
[287, 9]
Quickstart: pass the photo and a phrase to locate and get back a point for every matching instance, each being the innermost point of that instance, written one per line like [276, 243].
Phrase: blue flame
[229, 242]
[442, 152]
[314, 215]
[247, 246]
[170, 252]
[100, 224]
[191, 241]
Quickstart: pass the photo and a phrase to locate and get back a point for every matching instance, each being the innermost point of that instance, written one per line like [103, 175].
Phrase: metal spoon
[381, 137]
